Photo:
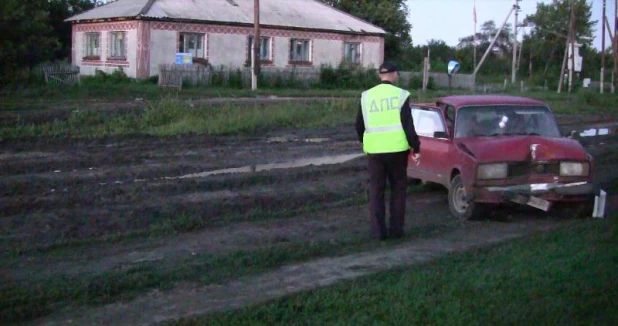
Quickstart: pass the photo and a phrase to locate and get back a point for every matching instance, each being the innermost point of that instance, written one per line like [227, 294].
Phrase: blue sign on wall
[184, 58]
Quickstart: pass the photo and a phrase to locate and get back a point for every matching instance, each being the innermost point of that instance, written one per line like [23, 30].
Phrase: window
[92, 45]
[264, 48]
[505, 120]
[300, 50]
[191, 43]
[117, 45]
[426, 122]
[352, 52]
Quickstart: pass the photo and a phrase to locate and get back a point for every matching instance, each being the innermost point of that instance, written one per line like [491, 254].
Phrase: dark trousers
[391, 166]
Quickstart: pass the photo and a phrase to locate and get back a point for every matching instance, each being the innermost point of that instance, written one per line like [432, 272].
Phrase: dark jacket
[406, 122]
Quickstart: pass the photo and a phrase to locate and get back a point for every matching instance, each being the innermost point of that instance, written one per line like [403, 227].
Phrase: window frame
[309, 50]
[269, 46]
[359, 54]
[111, 46]
[88, 54]
[184, 37]
[438, 118]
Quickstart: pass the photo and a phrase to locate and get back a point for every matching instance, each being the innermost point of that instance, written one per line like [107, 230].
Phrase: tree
[497, 61]
[59, 10]
[26, 38]
[550, 25]
[503, 44]
[391, 15]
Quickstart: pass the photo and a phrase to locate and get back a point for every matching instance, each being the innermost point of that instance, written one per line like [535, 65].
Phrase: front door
[428, 121]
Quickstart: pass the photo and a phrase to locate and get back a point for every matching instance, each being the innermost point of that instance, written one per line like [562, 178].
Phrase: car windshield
[505, 120]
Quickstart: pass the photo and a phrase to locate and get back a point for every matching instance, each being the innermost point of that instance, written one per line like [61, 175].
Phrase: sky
[449, 20]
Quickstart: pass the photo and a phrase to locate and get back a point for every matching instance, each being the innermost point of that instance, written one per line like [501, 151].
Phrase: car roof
[465, 100]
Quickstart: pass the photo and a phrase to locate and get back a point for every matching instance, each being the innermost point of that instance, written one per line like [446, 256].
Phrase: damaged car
[497, 149]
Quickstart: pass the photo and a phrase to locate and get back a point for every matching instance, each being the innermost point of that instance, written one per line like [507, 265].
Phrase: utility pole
[514, 66]
[603, 50]
[611, 37]
[615, 41]
[572, 37]
[566, 51]
[256, 45]
[492, 43]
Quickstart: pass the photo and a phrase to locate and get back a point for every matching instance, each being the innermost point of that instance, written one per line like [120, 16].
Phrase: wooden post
[566, 52]
[564, 61]
[424, 74]
[514, 63]
[572, 37]
[611, 37]
[255, 63]
[603, 49]
[615, 46]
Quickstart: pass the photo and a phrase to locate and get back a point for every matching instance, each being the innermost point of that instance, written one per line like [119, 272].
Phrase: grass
[170, 116]
[567, 276]
[45, 97]
[25, 301]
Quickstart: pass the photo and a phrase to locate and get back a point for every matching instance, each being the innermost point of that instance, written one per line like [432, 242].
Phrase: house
[138, 35]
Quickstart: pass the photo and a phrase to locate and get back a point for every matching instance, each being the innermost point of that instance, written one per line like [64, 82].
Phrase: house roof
[306, 14]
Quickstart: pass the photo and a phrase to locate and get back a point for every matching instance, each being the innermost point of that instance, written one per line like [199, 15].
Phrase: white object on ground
[599, 205]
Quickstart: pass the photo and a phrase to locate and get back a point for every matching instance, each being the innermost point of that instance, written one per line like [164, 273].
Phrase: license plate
[539, 203]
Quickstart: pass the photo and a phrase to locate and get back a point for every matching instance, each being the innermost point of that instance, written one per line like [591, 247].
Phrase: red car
[491, 149]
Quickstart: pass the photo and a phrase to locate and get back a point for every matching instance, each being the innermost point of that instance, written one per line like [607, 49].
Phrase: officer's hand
[416, 157]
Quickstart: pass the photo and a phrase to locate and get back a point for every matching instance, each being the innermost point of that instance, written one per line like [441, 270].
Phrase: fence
[172, 75]
[441, 79]
[58, 73]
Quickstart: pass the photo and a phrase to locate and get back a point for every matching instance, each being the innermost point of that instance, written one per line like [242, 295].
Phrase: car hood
[518, 148]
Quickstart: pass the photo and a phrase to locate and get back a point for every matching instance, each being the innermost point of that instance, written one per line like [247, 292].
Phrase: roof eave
[179, 20]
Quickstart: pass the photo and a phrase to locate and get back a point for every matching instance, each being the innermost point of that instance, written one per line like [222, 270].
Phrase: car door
[434, 147]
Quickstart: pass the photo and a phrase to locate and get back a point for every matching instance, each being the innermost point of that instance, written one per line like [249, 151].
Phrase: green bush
[347, 76]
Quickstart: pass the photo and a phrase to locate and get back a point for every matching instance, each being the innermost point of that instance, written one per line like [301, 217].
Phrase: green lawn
[567, 276]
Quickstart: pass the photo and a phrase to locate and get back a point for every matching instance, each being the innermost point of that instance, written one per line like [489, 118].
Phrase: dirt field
[81, 208]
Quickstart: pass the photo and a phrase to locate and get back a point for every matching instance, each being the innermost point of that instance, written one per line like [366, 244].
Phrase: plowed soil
[110, 203]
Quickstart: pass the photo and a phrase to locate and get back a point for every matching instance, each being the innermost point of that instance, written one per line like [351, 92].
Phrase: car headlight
[492, 171]
[574, 169]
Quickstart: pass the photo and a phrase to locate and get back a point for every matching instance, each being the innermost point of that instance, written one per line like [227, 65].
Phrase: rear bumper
[553, 192]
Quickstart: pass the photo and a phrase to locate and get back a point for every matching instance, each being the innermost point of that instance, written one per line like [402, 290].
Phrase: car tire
[461, 208]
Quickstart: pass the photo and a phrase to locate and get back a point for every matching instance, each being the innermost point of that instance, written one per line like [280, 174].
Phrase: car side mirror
[439, 134]
[452, 68]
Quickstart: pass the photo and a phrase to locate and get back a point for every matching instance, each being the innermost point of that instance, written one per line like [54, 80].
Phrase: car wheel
[460, 206]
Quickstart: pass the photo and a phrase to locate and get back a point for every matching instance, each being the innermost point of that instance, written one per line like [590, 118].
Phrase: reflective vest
[381, 107]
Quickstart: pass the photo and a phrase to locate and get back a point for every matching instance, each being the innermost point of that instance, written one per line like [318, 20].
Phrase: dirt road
[73, 208]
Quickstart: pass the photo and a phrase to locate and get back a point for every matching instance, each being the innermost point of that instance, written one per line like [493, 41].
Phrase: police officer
[385, 128]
